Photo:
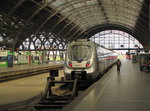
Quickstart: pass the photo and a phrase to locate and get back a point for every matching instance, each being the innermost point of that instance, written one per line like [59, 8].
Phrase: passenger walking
[118, 65]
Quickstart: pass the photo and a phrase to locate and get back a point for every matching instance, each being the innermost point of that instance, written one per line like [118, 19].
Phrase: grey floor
[24, 88]
[128, 90]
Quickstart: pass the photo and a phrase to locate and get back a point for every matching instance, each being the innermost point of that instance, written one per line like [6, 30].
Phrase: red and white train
[87, 60]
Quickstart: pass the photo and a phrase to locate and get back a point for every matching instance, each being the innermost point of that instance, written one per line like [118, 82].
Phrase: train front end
[79, 61]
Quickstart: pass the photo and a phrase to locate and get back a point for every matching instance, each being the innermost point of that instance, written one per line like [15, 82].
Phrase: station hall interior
[74, 55]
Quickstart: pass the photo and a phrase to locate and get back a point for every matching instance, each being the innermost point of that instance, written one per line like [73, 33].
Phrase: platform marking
[103, 88]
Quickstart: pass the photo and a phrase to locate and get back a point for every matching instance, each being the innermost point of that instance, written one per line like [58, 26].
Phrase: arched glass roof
[72, 19]
[116, 39]
[89, 13]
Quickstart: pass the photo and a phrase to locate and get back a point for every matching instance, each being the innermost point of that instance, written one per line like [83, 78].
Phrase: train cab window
[80, 52]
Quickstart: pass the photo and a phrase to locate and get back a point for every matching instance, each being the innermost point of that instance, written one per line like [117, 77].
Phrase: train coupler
[80, 75]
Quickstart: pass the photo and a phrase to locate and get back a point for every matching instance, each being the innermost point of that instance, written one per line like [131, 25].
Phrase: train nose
[81, 75]
[79, 60]
[75, 64]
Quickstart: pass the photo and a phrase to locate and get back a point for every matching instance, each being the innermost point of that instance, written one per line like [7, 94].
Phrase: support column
[149, 17]
[43, 57]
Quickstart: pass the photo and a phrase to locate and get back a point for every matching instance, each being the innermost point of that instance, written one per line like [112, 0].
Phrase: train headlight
[70, 63]
[88, 64]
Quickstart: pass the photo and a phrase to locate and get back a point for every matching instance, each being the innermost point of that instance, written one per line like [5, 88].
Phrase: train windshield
[80, 52]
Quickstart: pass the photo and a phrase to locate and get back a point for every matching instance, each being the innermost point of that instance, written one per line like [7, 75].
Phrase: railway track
[66, 91]
[57, 101]
[54, 97]
[57, 95]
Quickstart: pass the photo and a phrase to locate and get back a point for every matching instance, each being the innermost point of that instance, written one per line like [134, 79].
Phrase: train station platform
[24, 89]
[128, 90]
[20, 71]
[26, 67]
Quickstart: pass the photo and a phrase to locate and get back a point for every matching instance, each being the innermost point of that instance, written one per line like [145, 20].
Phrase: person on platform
[118, 65]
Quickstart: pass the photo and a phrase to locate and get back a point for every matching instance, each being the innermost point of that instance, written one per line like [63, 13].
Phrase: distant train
[87, 60]
[27, 57]
[23, 57]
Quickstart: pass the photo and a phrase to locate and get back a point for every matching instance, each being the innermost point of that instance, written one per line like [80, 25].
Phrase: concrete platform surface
[128, 90]
[25, 67]
[23, 89]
